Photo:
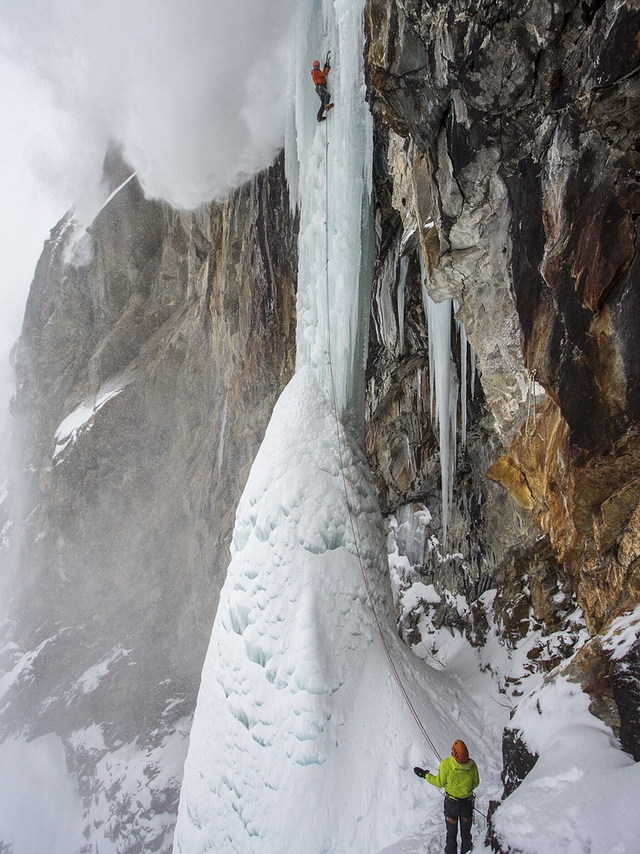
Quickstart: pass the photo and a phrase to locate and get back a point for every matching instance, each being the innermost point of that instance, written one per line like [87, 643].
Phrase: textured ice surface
[329, 172]
[301, 739]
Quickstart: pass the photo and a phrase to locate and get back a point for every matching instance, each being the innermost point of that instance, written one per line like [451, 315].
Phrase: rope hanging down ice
[352, 518]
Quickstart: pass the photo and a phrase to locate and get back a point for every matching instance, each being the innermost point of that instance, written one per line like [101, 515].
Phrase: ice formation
[329, 173]
[464, 350]
[443, 384]
[444, 387]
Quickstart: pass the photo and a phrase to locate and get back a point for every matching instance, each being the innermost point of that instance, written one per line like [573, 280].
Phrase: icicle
[387, 327]
[430, 339]
[473, 372]
[453, 431]
[464, 346]
[463, 384]
[402, 283]
[443, 389]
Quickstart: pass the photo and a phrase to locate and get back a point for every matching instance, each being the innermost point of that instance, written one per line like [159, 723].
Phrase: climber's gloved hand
[420, 772]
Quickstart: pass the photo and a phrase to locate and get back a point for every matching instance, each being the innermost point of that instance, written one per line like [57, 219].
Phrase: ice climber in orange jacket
[320, 80]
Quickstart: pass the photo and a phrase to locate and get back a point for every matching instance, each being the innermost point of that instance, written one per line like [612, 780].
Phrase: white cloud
[193, 90]
[27, 209]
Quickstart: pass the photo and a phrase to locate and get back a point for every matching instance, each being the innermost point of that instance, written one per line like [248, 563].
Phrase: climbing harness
[353, 521]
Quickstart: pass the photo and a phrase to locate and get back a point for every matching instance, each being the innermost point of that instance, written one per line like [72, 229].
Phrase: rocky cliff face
[516, 153]
[152, 352]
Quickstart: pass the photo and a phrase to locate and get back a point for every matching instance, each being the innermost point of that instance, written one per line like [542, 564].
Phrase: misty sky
[192, 90]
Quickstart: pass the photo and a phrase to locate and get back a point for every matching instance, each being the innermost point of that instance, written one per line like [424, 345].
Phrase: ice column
[402, 283]
[329, 173]
[444, 392]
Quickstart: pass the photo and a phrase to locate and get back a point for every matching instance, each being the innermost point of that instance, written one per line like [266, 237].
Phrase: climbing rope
[353, 521]
[355, 530]
[530, 417]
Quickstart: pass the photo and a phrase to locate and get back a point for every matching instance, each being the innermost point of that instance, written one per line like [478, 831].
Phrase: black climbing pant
[458, 812]
[325, 98]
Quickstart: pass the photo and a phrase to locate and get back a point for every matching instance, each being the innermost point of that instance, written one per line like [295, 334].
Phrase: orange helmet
[459, 752]
[316, 63]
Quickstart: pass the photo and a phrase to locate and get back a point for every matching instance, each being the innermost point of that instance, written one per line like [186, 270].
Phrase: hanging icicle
[402, 284]
[464, 347]
[443, 387]
[473, 373]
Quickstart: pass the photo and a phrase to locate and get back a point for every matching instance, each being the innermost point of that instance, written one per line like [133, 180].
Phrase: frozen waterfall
[329, 174]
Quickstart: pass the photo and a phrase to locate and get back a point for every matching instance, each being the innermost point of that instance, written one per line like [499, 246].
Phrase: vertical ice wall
[329, 172]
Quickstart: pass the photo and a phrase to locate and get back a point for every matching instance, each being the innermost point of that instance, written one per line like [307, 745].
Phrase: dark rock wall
[401, 436]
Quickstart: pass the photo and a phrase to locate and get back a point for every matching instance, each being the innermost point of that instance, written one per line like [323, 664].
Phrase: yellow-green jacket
[457, 780]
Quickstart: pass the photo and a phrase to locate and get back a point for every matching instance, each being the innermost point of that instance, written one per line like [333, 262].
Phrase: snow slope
[581, 796]
[302, 740]
[71, 427]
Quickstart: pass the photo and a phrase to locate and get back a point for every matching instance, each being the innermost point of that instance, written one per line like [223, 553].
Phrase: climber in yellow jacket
[458, 776]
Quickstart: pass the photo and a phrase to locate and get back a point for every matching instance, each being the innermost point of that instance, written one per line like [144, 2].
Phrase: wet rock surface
[524, 119]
